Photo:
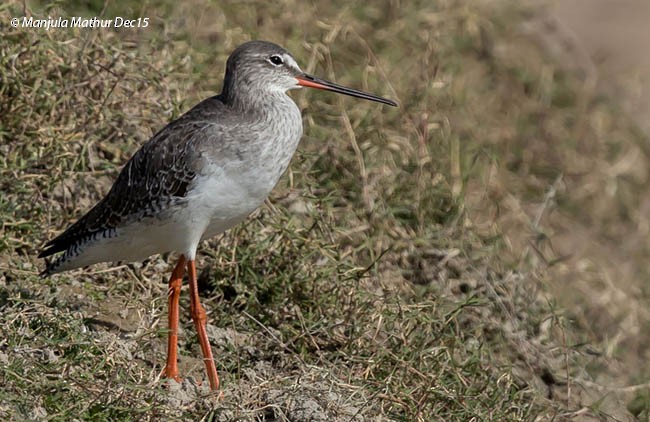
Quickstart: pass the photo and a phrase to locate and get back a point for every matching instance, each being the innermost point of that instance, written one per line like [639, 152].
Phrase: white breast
[228, 192]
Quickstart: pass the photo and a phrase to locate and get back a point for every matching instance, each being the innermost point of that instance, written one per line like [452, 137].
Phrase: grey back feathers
[158, 174]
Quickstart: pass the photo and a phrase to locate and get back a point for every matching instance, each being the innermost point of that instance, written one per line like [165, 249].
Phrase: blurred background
[479, 253]
[603, 39]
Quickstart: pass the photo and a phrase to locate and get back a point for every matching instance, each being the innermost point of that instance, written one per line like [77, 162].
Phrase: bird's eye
[276, 60]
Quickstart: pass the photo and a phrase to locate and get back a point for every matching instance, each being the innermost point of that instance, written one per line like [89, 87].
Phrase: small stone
[38, 413]
[50, 356]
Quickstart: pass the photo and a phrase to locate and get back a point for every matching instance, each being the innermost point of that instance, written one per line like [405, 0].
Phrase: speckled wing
[155, 177]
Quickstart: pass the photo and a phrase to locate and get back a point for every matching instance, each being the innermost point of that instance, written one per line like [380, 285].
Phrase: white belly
[212, 207]
[223, 200]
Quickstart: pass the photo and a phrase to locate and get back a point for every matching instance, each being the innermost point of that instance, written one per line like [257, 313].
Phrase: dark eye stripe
[276, 60]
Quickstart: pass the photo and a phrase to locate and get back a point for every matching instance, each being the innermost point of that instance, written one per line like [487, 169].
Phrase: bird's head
[261, 67]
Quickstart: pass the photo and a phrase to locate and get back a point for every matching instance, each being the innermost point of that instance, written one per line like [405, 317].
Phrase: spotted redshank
[200, 175]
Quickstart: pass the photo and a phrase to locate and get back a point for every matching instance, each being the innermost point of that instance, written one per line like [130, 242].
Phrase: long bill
[313, 82]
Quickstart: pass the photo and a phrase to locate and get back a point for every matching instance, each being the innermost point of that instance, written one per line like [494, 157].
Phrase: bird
[200, 175]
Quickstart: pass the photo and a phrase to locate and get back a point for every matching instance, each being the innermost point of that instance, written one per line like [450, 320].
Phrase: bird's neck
[253, 103]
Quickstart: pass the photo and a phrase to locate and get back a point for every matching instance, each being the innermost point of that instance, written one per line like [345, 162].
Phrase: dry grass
[378, 283]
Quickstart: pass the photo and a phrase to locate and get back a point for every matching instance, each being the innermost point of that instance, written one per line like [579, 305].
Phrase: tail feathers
[72, 247]
[52, 265]
[63, 243]
[49, 250]
[67, 246]
[48, 269]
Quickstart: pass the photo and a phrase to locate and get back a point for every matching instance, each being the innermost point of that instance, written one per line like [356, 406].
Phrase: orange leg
[175, 283]
[200, 319]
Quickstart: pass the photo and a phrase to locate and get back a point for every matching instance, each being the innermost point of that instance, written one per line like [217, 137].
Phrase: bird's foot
[168, 374]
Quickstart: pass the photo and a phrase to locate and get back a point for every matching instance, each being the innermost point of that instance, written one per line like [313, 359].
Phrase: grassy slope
[377, 284]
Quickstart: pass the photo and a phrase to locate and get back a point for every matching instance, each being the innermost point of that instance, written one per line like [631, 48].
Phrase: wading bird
[197, 177]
